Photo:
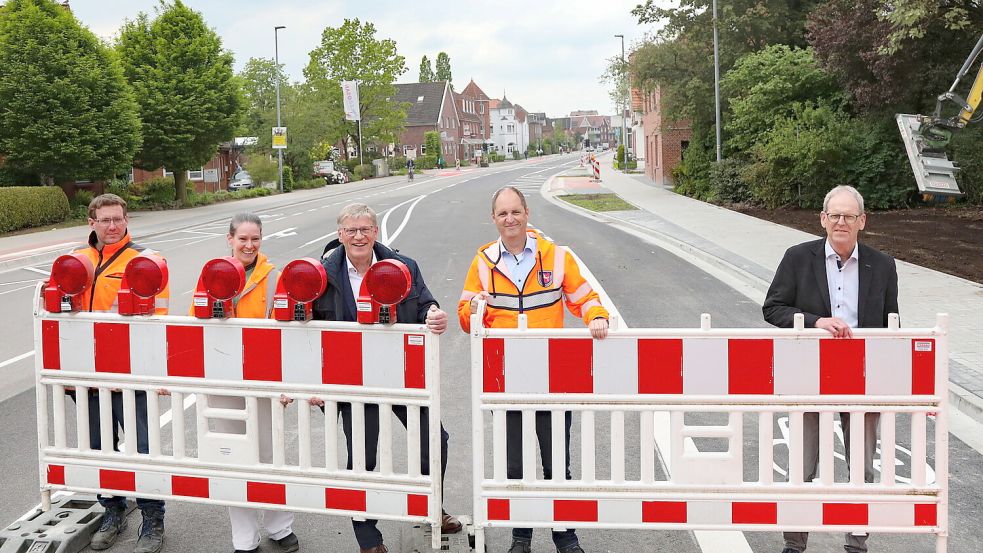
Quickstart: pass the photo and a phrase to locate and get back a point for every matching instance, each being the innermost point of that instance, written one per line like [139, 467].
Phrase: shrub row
[31, 206]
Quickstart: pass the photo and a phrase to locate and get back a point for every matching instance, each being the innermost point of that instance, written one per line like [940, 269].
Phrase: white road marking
[13, 360]
[283, 233]
[18, 289]
[38, 271]
[23, 253]
[385, 220]
[406, 219]
[318, 239]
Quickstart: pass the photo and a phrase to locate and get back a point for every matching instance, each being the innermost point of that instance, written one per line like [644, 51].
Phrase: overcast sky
[546, 55]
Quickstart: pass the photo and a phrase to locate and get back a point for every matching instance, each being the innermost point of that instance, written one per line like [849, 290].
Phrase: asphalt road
[440, 221]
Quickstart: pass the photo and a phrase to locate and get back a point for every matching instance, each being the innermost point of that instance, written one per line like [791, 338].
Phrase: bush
[31, 206]
[120, 187]
[426, 162]
[967, 153]
[366, 171]
[465, 162]
[306, 184]
[159, 191]
[262, 169]
[288, 178]
[516, 154]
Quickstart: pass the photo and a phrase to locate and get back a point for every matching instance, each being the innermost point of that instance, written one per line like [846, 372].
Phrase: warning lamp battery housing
[386, 284]
[301, 282]
[221, 280]
[71, 275]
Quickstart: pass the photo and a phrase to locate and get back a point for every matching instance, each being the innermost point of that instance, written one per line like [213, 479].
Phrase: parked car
[241, 181]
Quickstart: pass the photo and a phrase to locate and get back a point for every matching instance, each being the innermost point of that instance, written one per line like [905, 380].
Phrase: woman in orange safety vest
[255, 301]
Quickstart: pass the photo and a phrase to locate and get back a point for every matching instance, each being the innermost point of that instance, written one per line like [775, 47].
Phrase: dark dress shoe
[288, 543]
[449, 524]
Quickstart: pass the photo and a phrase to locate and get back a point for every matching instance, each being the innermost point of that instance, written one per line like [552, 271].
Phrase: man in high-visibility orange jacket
[110, 249]
[524, 273]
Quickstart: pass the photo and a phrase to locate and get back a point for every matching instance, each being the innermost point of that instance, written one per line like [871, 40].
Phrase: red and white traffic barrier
[252, 361]
[759, 378]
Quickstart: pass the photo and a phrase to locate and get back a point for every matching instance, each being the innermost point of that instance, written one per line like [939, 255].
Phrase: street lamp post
[276, 68]
[716, 80]
[624, 123]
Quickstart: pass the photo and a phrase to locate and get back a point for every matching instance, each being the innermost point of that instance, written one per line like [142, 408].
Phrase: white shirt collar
[830, 252]
[351, 268]
[530, 245]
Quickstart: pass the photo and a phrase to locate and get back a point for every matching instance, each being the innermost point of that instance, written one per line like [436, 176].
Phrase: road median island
[598, 202]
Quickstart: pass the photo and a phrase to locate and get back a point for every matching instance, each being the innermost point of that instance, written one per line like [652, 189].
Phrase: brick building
[665, 140]
[211, 177]
[429, 107]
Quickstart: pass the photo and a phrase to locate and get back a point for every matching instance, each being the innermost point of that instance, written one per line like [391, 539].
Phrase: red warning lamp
[70, 276]
[145, 276]
[386, 283]
[301, 282]
[221, 279]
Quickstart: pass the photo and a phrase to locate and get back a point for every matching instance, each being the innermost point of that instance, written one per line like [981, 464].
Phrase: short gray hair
[522, 197]
[356, 210]
[844, 188]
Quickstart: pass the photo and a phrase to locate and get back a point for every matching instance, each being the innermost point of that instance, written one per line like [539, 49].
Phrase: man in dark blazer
[346, 261]
[837, 284]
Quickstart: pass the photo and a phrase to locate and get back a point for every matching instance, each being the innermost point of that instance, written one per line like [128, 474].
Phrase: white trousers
[246, 522]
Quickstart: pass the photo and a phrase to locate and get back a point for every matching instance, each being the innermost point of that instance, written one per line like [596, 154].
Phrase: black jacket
[800, 286]
[338, 304]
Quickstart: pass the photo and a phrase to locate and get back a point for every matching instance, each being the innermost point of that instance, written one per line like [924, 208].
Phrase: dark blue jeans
[366, 533]
[150, 507]
[513, 453]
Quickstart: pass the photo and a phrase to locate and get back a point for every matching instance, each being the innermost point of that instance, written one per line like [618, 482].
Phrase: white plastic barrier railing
[250, 362]
[748, 377]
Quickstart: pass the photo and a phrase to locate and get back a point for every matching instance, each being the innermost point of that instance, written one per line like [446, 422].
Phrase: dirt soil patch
[947, 239]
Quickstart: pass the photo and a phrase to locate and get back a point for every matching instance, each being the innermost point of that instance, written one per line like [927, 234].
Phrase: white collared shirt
[843, 279]
[354, 278]
[519, 265]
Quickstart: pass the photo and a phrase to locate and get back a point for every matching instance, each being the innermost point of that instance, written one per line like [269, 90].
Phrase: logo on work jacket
[545, 278]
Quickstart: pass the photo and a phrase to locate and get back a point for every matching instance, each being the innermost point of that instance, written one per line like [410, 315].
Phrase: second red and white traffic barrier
[709, 384]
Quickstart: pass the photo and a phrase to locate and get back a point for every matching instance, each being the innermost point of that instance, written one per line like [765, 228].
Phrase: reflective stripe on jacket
[109, 265]
[555, 276]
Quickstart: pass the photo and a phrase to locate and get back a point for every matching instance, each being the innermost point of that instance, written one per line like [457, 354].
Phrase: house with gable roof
[429, 107]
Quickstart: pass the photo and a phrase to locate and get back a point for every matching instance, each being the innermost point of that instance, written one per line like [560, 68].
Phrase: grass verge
[598, 202]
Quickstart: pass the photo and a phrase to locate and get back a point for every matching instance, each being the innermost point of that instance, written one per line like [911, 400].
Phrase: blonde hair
[356, 210]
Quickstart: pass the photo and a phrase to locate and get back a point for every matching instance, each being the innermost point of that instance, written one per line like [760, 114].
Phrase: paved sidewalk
[750, 249]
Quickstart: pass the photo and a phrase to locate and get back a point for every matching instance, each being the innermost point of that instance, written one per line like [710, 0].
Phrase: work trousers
[149, 507]
[810, 458]
[513, 453]
[247, 522]
[366, 533]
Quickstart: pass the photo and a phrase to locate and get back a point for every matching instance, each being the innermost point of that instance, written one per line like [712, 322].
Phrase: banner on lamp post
[279, 138]
[349, 91]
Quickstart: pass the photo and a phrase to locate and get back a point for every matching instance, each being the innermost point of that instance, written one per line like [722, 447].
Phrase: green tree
[616, 77]
[190, 101]
[767, 86]
[432, 141]
[443, 68]
[258, 81]
[351, 52]
[426, 71]
[67, 112]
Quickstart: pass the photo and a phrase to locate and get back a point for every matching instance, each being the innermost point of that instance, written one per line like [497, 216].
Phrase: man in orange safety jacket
[110, 249]
[524, 273]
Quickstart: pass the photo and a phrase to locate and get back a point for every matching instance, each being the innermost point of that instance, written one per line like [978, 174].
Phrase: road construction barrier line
[714, 383]
[223, 452]
[176, 347]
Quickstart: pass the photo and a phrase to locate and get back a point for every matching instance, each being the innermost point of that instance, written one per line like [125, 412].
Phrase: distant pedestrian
[838, 284]
[110, 249]
[514, 275]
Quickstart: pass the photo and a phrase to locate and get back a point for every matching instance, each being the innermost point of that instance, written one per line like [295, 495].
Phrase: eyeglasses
[849, 218]
[351, 232]
[118, 221]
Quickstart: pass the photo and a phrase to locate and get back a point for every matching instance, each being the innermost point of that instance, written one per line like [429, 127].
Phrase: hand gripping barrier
[679, 384]
[235, 370]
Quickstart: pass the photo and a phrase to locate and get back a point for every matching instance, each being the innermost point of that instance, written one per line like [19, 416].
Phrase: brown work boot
[449, 524]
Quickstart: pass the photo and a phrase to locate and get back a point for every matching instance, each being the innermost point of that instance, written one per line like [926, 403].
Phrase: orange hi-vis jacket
[109, 265]
[557, 278]
[256, 299]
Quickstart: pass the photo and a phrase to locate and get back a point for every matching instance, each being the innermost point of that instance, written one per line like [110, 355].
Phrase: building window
[423, 149]
[197, 175]
[419, 99]
[481, 108]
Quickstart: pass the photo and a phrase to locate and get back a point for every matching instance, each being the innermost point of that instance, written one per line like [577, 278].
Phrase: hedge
[31, 206]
